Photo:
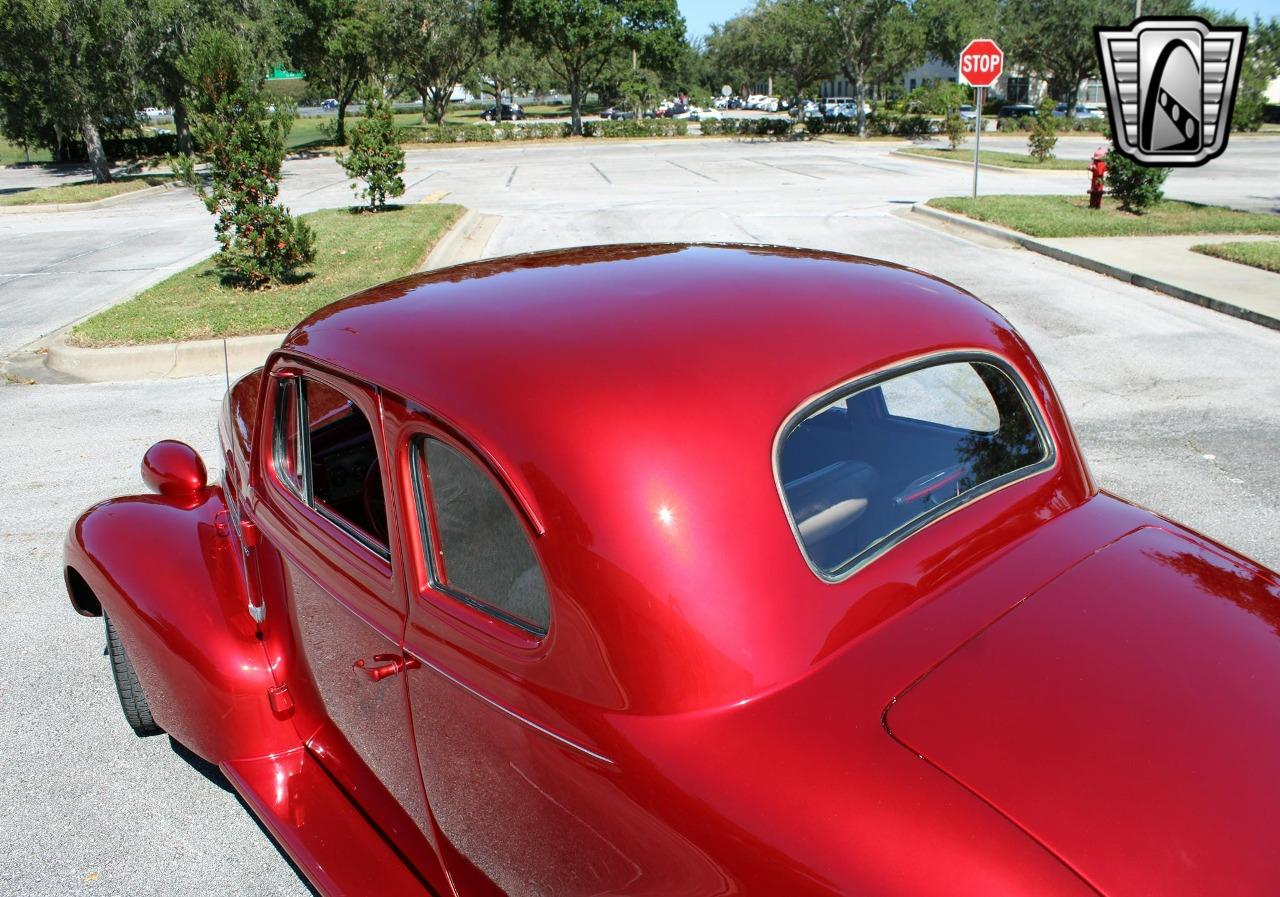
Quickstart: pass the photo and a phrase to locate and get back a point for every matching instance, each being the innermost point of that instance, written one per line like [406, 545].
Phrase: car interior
[854, 474]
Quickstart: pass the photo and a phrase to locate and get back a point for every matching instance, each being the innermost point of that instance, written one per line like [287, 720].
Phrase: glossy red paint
[704, 715]
[174, 468]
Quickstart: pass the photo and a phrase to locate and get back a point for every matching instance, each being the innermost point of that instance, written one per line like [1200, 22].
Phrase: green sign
[279, 74]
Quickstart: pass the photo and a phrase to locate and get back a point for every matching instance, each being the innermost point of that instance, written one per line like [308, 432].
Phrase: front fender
[167, 570]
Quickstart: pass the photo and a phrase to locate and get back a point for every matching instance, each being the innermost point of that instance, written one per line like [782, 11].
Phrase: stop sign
[981, 63]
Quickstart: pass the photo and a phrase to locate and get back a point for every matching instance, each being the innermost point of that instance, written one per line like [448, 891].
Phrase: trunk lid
[1126, 715]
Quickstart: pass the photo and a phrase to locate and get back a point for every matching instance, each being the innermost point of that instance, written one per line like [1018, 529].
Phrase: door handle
[384, 665]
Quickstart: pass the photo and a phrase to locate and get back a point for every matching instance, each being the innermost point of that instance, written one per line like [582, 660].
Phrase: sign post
[981, 63]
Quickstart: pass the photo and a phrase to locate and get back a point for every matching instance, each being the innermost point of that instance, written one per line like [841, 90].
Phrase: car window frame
[330, 523]
[865, 381]
[427, 553]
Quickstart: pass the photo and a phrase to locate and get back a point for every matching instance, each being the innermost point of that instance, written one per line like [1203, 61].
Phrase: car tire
[134, 703]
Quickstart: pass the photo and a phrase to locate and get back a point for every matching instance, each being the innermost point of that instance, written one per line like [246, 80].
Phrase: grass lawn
[996, 157]
[1070, 216]
[81, 191]
[12, 154]
[1264, 255]
[353, 251]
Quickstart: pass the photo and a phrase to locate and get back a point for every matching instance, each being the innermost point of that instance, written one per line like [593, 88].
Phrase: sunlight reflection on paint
[666, 516]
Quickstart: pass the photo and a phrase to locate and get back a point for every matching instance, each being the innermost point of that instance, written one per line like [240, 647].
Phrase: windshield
[866, 469]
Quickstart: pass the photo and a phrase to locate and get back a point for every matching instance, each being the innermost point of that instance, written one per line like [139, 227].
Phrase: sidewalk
[1170, 259]
[1165, 264]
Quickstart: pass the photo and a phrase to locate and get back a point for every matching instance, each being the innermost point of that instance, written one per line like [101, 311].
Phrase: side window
[484, 556]
[288, 448]
[326, 454]
[952, 395]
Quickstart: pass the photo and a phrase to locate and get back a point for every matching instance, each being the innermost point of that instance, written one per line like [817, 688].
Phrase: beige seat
[831, 498]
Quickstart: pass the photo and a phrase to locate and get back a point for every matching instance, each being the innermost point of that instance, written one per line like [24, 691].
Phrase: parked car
[1082, 112]
[696, 114]
[1017, 110]
[329, 104]
[967, 112]
[736, 103]
[510, 586]
[843, 107]
[510, 112]
[722, 103]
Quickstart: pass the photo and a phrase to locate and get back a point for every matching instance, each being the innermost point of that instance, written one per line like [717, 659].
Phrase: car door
[329, 555]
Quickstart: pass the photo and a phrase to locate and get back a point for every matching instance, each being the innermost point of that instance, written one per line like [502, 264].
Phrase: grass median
[997, 157]
[1070, 216]
[81, 191]
[1264, 254]
[354, 250]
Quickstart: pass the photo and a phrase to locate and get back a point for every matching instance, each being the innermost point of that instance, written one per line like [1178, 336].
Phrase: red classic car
[690, 571]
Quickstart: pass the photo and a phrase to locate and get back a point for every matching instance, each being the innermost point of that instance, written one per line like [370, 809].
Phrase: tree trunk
[859, 97]
[426, 103]
[93, 146]
[440, 103]
[575, 105]
[182, 127]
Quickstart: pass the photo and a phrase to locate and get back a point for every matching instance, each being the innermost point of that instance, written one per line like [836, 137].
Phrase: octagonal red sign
[981, 62]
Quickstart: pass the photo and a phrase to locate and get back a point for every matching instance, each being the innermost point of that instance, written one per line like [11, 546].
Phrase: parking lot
[1177, 408]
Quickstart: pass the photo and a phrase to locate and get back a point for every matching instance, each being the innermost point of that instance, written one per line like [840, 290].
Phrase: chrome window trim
[417, 461]
[863, 381]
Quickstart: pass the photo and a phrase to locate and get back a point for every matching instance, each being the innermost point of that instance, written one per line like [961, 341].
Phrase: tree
[168, 34]
[1261, 66]
[875, 40]
[376, 157]
[789, 40]
[580, 38]
[261, 242]
[437, 44]
[510, 65]
[1044, 136]
[340, 44]
[949, 25]
[75, 64]
[1053, 39]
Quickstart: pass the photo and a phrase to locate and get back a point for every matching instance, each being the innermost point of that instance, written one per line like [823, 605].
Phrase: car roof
[529, 357]
[630, 398]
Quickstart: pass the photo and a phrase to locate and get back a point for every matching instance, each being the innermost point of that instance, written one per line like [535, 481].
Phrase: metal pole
[977, 138]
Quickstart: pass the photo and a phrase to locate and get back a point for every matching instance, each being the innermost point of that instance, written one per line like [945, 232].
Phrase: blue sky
[700, 14]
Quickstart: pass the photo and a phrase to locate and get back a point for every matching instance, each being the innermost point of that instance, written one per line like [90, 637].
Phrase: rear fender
[168, 572]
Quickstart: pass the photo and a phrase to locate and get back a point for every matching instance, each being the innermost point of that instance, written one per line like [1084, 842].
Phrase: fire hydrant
[1097, 173]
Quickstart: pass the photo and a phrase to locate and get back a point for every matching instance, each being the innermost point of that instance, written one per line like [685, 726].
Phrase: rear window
[864, 469]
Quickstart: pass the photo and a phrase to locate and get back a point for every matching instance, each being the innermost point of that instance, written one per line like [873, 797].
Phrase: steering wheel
[933, 488]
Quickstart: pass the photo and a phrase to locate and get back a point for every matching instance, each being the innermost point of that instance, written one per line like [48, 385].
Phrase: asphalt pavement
[1177, 407]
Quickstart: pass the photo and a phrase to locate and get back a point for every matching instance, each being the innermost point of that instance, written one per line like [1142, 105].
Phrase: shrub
[375, 156]
[260, 241]
[912, 126]
[750, 127]
[636, 127]
[1137, 187]
[955, 127]
[1043, 137]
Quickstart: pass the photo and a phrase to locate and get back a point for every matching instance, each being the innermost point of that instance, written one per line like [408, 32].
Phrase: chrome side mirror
[174, 468]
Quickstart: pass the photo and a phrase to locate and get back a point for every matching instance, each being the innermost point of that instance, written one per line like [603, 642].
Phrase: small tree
[261, 242]
[1044, 136]
[956, 127]
[1137, 187]
[376, 157]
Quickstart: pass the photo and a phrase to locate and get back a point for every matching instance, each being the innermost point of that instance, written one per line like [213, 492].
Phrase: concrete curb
[464, 242]
[987, 166]
[86, 206]
[160, 361]
[1139, 280]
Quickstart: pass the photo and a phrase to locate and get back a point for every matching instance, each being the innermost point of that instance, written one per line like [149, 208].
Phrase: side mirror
[174, 468]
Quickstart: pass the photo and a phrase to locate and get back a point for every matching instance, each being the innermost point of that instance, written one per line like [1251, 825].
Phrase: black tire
[132, 700]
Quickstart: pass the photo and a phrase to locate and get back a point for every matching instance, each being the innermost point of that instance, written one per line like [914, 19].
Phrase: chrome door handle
[384, 665]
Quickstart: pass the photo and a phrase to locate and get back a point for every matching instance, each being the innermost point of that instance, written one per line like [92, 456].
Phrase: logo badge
[1171, 86]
